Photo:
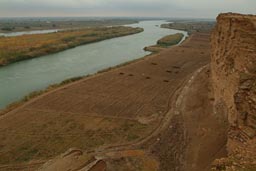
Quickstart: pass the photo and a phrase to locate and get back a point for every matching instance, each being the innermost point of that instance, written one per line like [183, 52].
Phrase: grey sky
[151, 8]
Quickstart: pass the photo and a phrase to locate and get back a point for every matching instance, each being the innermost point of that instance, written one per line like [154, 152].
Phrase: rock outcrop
[233, 69]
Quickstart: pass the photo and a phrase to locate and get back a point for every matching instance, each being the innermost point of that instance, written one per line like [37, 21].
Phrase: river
[21, 78]
[13, 34]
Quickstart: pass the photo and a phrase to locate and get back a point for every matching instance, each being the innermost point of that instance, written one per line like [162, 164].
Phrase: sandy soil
[206, 132]
[134, 106]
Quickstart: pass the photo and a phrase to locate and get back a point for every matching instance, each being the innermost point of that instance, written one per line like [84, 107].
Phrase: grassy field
[19, 48]
[165, 42]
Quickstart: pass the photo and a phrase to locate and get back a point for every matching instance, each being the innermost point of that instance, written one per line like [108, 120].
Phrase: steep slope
[233, 69]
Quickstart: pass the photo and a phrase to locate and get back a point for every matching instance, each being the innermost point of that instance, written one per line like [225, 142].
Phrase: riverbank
[38, 73]
[162, 44]
[123, 108]
[55, 87]
[13, 49]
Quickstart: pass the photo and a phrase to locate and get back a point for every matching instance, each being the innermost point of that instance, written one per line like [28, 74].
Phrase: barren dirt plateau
[187, 108]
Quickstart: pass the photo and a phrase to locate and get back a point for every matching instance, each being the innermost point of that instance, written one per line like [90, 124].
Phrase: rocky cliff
[233, 69]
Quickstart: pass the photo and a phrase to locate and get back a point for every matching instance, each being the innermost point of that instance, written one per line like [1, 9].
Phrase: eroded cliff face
[233, 69]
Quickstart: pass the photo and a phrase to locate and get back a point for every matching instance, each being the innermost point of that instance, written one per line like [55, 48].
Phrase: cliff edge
[233, 72]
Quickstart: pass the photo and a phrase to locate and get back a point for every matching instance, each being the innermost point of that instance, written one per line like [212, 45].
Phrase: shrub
[8, 28]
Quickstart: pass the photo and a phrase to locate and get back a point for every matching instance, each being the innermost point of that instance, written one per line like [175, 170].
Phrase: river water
[21, 78]
[13, 34]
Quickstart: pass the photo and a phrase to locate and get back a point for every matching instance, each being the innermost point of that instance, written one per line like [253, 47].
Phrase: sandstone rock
[233, 66]
[233, 73]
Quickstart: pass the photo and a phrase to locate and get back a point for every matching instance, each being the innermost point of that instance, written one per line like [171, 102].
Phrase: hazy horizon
[120, 8]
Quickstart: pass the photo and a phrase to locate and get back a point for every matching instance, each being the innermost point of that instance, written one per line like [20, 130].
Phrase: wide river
[21, 78]
[27, 32]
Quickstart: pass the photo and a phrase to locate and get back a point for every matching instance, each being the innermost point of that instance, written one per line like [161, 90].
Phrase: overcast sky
[130, 8]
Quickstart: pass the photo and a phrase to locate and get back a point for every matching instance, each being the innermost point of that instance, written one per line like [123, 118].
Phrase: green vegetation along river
[21, 78]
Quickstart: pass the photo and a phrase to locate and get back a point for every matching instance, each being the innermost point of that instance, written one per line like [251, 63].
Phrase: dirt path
[206, 132]
[125, 108]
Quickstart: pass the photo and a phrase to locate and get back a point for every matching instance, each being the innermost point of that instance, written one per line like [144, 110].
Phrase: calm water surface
[21, 78]
[28, 32]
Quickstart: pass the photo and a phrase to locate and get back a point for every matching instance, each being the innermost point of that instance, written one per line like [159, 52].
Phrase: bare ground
[137, 106]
